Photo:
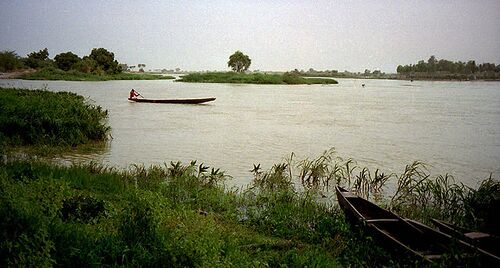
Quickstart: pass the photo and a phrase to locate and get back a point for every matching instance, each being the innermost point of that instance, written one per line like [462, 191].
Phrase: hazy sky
[277, 35]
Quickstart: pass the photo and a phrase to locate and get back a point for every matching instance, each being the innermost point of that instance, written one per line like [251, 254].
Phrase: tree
[10, 61]
[239, 62]
[106, 60]
[86, 65]
[431, 64]
[66, 61]
[37, 59]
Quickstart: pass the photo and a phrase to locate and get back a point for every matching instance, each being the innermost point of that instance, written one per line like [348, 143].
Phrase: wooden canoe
[175, 101]
[400, 235]
[484, 241]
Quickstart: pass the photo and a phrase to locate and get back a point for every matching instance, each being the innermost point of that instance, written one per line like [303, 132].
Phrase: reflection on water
[452, 126]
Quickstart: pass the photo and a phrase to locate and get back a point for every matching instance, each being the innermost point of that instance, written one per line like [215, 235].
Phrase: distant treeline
[445, 69]
[100, 62]
[345, 74]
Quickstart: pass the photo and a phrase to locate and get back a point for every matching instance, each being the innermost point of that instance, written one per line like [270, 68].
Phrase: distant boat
[174, 101]
[404, 236]
[484, 241]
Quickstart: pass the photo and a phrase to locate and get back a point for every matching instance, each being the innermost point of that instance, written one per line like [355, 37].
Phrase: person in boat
[133, 94]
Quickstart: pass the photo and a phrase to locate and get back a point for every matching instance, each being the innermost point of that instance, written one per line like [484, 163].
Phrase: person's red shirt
[133, 94]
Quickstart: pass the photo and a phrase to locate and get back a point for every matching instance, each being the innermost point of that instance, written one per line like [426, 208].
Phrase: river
[454, 127]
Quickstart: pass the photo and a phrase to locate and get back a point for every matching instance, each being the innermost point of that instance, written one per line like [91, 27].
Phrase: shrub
[35, 117]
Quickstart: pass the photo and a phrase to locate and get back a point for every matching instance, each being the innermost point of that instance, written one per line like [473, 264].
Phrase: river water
[454, 127]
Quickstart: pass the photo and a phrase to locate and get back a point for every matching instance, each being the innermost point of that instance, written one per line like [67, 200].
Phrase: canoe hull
[487, 242]
[174, 101]
[403, 236]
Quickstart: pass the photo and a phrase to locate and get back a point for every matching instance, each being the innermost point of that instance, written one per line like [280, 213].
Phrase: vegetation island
[100, 65]
[183, 215]
[240, 63]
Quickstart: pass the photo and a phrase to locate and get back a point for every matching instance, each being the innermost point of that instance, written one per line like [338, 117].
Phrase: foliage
[83, 73]
[183, 214]
[9, 61]
[65, 61]
[38, 59]
[239, 62]
[106, 60]
[448, 69]
[253, 78]
[143, 224]
[35, 117]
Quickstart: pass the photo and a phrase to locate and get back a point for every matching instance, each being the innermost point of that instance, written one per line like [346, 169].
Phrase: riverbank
[180, 214]
[252, 78]
[57, 74]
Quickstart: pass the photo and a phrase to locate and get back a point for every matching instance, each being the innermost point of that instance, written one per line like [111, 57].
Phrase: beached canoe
[405, 237]
[176, 101]
[487, 242]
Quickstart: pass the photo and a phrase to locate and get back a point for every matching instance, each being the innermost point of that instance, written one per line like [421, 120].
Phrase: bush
[9, 61]
[35, 117]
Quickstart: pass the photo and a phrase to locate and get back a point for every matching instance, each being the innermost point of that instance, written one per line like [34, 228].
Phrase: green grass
[180, 215]
[72, 75]
[41, 117]
[94, 216]
[253, 78]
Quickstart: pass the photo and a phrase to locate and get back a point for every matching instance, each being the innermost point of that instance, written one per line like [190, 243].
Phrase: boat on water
[487, 242]
[175, 101]
[402, 235]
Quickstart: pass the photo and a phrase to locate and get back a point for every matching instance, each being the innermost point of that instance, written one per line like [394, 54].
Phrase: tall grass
[40, 117]
[252, 78]
[416, 194]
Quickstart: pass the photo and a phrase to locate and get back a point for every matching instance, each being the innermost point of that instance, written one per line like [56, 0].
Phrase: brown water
[452, 126]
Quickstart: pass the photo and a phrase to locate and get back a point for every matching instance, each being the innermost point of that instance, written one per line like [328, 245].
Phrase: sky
[276, 35]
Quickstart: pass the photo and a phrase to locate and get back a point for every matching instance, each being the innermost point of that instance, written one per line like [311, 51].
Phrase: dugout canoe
[174, 101]
[404, 237]
[487, 242]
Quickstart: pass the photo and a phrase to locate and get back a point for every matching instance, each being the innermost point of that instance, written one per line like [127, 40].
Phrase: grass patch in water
[252, 78]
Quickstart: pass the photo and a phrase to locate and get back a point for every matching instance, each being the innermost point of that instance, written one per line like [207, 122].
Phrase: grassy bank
[176, 215]
[72, 75]
[252, 78]
[183, 215]
[41, 117]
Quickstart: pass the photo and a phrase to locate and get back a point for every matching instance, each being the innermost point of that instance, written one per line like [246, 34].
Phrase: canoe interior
[487, 242]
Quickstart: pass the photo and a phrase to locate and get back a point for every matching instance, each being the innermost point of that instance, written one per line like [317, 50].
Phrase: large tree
[239, 62]
[106, 60]
[10, 61]
[66, 61]
[37, 59]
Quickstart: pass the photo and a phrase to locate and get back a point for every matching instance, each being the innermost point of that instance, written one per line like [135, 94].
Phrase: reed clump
[416, 195]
